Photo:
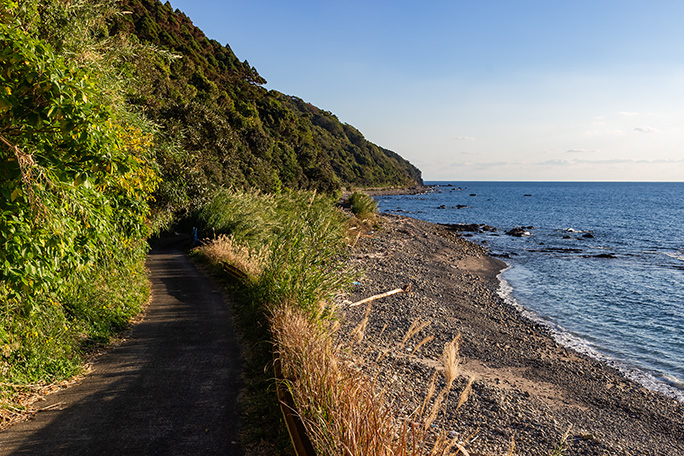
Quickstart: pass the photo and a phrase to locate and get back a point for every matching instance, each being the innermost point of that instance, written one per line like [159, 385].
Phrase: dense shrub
[76, 178]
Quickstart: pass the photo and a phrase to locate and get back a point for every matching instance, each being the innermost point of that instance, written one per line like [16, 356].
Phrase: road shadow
[170, 389]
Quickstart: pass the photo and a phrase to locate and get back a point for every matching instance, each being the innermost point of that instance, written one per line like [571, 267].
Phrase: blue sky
[481, 90]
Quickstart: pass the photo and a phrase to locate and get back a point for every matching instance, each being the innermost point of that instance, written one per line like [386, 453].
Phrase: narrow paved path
[170, 389]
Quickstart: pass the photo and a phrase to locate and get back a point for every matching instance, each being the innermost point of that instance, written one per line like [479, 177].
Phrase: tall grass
[292, 264]
[344, 412]
[250, 217]
[224, 250]
[363, 206]
[295, 252]
[306, 265]
[339, 406]
[292, 245]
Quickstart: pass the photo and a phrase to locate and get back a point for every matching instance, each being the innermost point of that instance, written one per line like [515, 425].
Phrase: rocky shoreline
[526, 388]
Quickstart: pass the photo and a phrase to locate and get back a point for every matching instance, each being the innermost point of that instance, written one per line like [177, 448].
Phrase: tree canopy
[231, 131]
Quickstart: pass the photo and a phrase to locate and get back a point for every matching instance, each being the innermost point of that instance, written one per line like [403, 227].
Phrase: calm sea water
[627, 309]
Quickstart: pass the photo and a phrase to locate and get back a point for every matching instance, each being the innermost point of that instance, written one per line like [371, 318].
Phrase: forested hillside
[230, 130]
[118, 118]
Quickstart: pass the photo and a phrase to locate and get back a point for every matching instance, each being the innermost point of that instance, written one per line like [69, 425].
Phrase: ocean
[600, 264]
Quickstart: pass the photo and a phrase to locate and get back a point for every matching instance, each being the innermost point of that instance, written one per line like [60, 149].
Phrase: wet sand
[526, 388]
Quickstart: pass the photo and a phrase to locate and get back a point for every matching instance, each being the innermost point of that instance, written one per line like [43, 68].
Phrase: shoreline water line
[609, 284]
[526, 387]
[675, 389]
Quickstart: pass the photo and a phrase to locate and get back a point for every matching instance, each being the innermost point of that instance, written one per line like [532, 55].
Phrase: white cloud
[628, 114]
[464, 138]
[582, 151]
[483, 165]
[646, 130]
[607, 161]
[661, 161]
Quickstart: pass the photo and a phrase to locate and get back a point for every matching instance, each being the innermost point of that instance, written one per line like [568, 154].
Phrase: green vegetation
[231, 131]
[114, 126]
[86, 174]
[286, 248]
[363, 206]
[76, 177]
[288, 275]
[296, 238]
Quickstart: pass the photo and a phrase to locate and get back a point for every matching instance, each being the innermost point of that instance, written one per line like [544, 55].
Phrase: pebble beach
[526, 391]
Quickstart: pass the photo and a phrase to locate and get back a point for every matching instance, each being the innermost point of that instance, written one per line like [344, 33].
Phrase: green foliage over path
[76, 179]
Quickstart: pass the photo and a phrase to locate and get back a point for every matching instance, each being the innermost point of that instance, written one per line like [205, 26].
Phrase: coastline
[384, 191]
[526, 387]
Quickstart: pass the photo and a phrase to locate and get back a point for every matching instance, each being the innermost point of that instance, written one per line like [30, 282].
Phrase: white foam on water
[674, 381]
[679, 255]
[669, 385]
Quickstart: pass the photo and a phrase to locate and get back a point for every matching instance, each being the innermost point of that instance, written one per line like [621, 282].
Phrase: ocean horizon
[599, 263]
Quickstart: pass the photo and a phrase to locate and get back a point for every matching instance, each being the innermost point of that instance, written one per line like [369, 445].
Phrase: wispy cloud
[484, 165]
[555, 162]
[607, 161]
[628, 113]
[465, 138]
[646, 130]
[661, 161]
[582, 151]
[559, 163]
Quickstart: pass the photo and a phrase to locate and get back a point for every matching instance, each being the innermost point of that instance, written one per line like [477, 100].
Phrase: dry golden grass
[451, 362]
[343, 411]
[337, 404]
[416, 327]
[225, 250]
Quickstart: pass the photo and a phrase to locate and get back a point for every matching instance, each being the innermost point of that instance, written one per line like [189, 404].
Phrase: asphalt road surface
[169, 389]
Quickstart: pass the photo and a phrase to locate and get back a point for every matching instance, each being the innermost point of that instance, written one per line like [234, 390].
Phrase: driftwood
[405, 289]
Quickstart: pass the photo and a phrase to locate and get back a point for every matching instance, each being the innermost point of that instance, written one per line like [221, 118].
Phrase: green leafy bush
[76, 179]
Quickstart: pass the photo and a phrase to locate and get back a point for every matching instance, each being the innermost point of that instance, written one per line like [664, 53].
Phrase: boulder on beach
[518, 231]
